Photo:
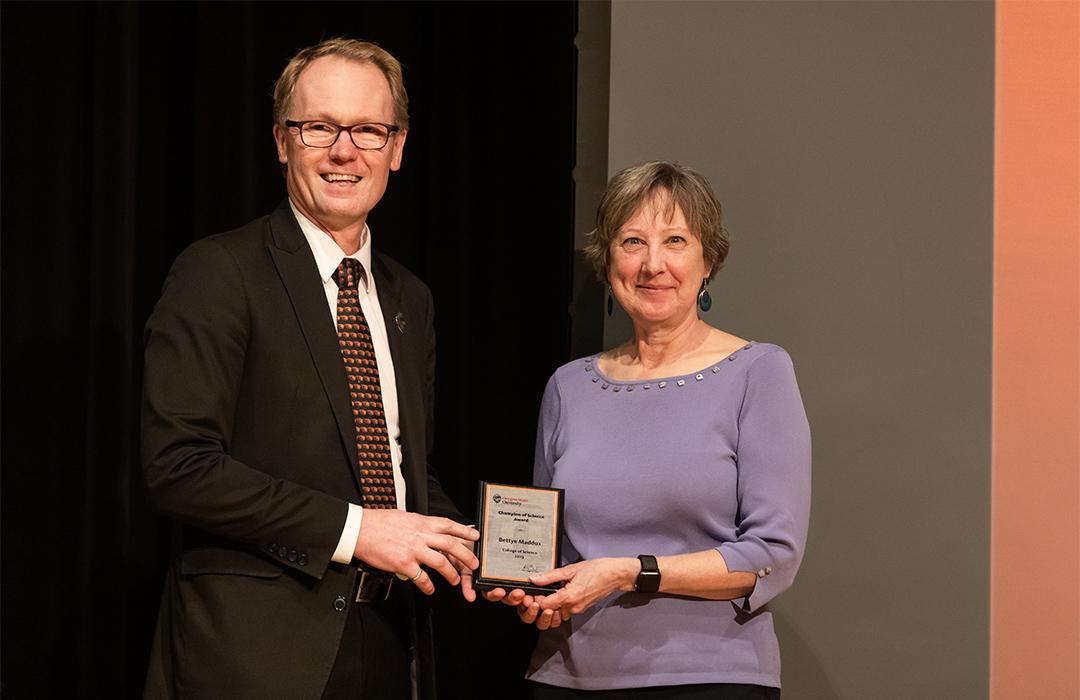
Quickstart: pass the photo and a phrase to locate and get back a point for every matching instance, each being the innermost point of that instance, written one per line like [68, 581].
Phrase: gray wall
[851, 144]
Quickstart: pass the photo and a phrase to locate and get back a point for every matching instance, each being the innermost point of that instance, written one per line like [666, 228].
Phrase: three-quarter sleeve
[773, 461]
[546, 435]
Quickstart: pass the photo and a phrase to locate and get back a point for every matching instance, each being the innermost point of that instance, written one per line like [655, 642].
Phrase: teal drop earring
[704, 299]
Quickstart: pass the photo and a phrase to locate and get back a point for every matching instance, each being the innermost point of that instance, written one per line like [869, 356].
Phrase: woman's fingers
[529, 613]
[563, 573]
[549, 619]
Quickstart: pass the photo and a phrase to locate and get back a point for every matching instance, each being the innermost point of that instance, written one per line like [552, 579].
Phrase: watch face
[648, 580]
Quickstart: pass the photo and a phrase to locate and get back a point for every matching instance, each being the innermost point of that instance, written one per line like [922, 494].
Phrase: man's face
[337, 187]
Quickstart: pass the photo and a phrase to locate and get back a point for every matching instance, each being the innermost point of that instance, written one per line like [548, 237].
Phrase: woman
[687, 445]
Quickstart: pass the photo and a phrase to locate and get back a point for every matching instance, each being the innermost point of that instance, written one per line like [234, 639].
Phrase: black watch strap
[648, 579]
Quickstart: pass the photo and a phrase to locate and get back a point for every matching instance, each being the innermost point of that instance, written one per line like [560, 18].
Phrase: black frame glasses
[391, 129]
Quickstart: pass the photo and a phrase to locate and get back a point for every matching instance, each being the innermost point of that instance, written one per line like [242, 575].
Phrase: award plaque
[520, 535]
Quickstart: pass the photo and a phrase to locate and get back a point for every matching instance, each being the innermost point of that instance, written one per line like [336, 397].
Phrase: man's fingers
[466, 575]
[435, 560]
[466, 586]
[453, 547]
[424, 582]
[461, 566]
[449, 527]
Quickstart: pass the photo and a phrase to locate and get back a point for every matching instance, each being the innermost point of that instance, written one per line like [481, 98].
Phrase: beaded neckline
[607, 384]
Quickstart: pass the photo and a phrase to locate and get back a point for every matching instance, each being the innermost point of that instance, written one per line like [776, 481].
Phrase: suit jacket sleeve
[195, 348]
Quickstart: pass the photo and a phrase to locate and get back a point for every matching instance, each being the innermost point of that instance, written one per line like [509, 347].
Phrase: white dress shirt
[328, 256]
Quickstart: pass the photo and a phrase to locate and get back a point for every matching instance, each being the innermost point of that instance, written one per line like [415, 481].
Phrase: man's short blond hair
[354, 50]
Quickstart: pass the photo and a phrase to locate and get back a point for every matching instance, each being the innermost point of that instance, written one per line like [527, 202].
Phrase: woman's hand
[586, 583]
[699, 574]
[543, 619]
[528, 607]
[516, 597]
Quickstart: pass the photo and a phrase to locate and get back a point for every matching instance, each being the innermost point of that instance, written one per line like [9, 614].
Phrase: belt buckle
[368, 589]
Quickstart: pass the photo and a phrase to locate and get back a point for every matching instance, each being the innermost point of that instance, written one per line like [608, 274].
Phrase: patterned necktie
[365, 392]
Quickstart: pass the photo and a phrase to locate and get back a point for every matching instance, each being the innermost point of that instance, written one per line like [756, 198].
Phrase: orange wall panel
[1035, 530]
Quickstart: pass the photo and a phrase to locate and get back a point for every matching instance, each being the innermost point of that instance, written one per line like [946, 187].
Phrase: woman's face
[657, 264]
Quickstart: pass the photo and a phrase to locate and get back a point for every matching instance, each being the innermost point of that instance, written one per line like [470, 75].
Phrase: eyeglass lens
[323, 134]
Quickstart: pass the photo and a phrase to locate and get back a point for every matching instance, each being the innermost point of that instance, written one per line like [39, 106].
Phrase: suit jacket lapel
[296, 266]
[406, 381]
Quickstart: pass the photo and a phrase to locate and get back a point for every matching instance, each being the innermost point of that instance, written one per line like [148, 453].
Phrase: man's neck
[350, 238]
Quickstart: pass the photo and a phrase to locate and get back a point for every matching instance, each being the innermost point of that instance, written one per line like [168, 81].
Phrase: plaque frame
[486, 582]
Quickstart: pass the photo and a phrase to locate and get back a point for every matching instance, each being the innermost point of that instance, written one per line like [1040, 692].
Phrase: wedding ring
[418, 575]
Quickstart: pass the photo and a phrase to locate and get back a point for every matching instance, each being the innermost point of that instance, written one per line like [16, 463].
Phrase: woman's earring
[610, 302]
[704, 299]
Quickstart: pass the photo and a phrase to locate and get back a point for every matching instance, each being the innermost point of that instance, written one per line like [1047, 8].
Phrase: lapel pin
[399, 319]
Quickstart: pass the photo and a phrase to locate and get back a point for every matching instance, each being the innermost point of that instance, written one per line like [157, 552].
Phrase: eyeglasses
[367, 137]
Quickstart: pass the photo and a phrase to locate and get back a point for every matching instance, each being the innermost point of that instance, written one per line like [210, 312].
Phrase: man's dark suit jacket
[247, 439]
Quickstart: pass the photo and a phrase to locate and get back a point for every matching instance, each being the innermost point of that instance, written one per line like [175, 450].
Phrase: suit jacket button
[302, 560]
[340, 603]
[292, 555]
[283, 551]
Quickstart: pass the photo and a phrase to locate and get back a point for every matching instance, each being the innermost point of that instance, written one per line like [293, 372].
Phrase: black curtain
[130, 130]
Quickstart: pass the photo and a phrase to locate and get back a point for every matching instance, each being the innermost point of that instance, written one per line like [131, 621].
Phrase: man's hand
[466, 574]
[399, 542]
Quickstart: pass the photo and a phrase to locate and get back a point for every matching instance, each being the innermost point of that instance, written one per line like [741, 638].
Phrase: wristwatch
[648, 579]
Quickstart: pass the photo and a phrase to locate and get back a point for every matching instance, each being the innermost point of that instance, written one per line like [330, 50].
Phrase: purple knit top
[717, 459]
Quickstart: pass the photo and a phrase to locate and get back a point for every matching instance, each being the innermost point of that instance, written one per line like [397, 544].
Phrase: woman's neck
[653, 348]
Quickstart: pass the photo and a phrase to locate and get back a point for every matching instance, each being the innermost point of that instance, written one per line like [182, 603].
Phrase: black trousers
[700, 691]
[373, 661]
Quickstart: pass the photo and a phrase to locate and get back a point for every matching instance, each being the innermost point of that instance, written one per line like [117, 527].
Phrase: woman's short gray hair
[682, 187]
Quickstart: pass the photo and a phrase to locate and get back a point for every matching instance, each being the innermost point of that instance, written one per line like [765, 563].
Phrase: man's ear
[280, 140]
[399, 146]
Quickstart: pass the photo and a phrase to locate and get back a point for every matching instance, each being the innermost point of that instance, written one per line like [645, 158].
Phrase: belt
[374, 585]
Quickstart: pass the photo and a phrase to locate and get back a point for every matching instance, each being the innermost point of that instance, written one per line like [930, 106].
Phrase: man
[287, 420]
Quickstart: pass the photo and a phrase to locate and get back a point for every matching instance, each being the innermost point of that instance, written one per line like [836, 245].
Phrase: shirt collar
[328, 254]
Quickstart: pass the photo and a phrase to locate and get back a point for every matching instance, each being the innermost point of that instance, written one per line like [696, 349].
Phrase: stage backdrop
[852, 147]
[130, 130]
[901, 182]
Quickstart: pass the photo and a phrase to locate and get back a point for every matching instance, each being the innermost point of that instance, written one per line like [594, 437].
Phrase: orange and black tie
[365, 392]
